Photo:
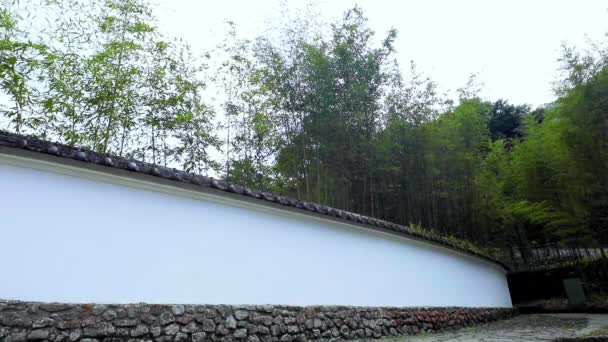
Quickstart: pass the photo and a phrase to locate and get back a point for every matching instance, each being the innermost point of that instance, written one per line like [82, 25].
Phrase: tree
[108, 81]
[193, 128]
[326, 97]
[506, 120]
[318, 112]
[20, 67]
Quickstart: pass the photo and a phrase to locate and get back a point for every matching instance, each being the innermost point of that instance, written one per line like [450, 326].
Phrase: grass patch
[424, 334]
[471, 330]
[391, 339]
[454, 241]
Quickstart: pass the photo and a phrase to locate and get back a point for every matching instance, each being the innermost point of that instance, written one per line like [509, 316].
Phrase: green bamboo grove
[327, 116]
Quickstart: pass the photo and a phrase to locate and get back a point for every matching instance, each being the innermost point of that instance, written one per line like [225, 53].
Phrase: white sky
[512, 45]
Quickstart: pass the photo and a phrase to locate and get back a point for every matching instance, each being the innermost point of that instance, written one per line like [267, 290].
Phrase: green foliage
[325, 96]
[20, 67]
[551, 185]
[320, 113]
[251, 137]
[341, 125]
[506, 120]
[105, 79]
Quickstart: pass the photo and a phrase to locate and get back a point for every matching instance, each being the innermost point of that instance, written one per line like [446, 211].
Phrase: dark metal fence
[547, 256]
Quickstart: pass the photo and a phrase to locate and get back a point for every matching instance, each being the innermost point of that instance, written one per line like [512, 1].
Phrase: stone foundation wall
[21, 321]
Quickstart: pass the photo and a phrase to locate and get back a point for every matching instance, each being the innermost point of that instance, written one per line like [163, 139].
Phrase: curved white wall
[74, 239]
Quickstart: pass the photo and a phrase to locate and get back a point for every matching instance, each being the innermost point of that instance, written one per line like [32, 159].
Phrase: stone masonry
[25, 321]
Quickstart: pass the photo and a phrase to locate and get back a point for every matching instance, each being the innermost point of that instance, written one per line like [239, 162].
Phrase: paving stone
[523, 328]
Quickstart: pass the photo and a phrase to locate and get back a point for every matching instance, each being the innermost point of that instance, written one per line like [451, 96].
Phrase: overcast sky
[512, 45]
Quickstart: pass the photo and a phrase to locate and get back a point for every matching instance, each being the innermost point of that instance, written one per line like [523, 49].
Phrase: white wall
[72, 239]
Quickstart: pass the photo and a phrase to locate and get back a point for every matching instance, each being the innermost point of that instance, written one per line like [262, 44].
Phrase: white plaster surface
[73, 239]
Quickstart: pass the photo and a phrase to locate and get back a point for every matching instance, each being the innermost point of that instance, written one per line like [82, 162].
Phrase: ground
[521, 328]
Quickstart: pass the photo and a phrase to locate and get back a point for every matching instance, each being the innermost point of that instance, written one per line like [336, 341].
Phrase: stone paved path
[521, 328]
